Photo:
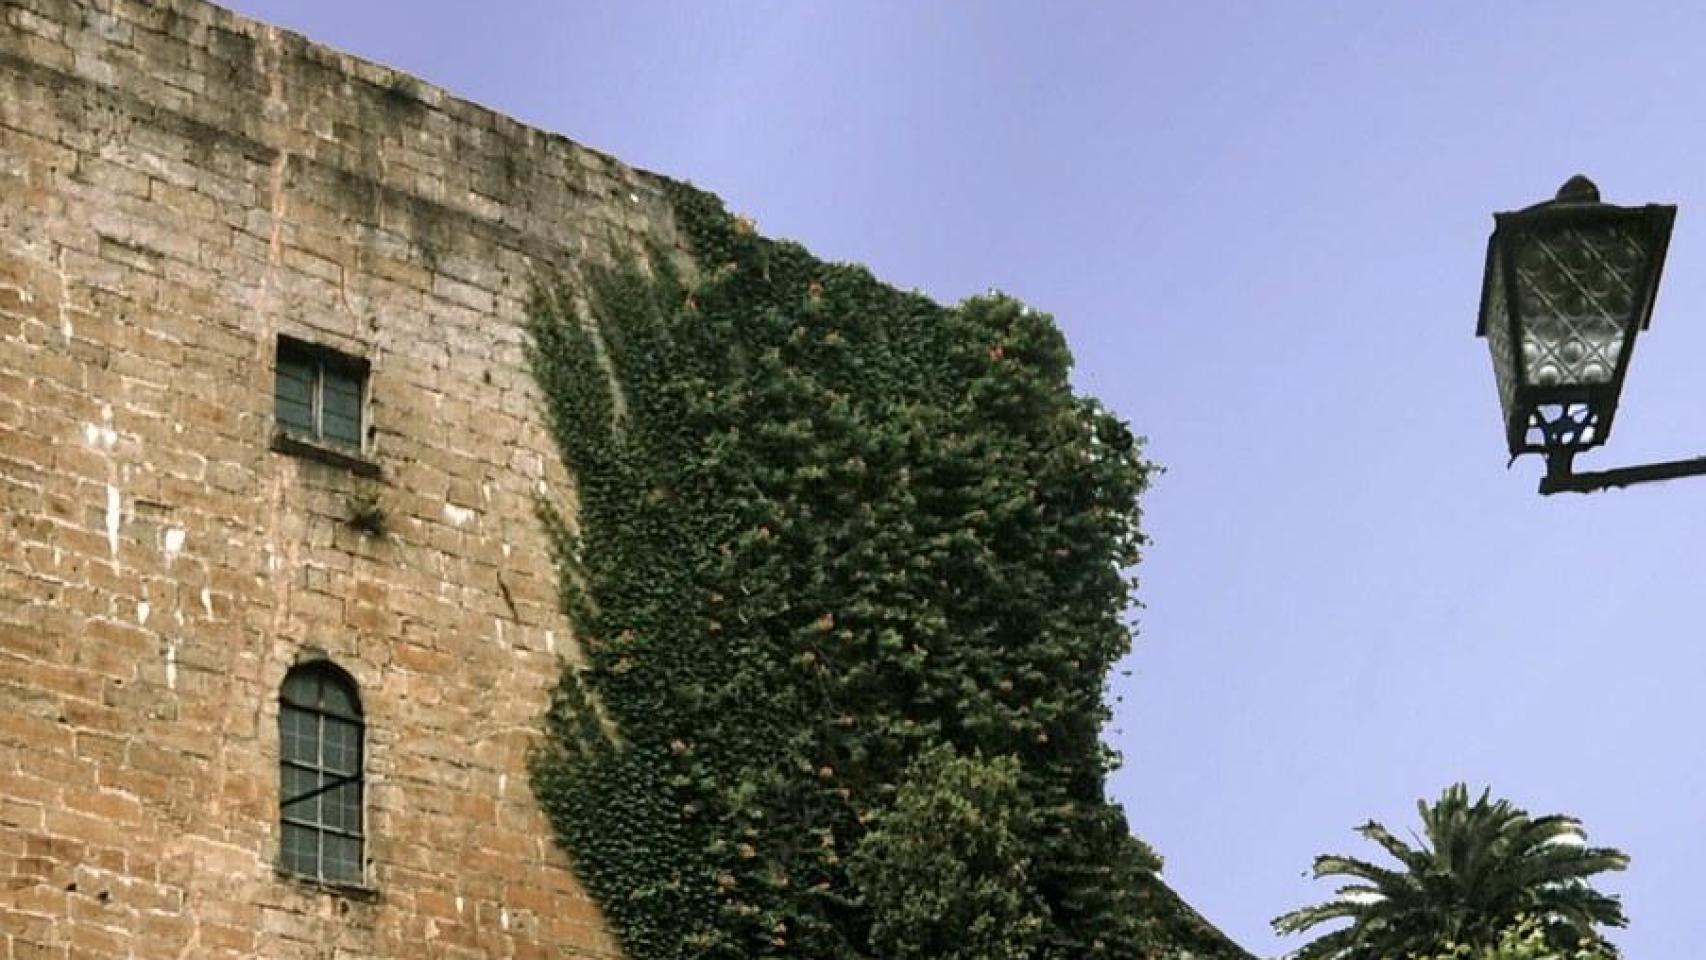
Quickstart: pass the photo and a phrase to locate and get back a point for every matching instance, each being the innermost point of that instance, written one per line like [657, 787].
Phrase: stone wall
[178, 188]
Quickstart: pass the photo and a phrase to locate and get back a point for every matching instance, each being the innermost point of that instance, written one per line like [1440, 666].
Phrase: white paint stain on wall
[113, 504]
[64, 296]
[101, 434]
[142, 611]
[172, 542]
[172, 665]
[207, 602]
[98, 436]
[457, 516]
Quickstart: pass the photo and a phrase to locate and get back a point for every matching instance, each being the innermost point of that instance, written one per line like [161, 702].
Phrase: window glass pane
[342, 431]
[337, 698]
[343, 808]
[341, 411]
[343, 859]
[343, 386]
[302, 688]
[297, 782]
[298, 735]
[300, 849]
[341, 747]
[296, 417]
[294, 393]
[295, 375]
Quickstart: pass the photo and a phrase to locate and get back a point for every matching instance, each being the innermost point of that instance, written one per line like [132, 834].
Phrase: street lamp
[1569, 284]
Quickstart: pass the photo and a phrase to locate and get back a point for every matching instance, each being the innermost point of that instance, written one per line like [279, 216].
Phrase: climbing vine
[825, 527]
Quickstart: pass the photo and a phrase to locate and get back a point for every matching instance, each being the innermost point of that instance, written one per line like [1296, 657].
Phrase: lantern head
[1569, 284]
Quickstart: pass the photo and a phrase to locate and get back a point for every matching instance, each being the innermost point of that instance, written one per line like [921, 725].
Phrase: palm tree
[1478, 869]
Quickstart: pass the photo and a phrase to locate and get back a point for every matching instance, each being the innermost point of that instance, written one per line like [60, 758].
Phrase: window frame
[323, 674]
[312, 441]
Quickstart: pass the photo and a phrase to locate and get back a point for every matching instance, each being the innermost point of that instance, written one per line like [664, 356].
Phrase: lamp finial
[1578, 189]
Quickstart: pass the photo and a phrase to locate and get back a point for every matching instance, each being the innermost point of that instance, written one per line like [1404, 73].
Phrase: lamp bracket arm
[1560, 478]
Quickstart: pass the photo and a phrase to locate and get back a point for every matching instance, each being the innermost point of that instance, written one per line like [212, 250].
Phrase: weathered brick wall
[178, 187]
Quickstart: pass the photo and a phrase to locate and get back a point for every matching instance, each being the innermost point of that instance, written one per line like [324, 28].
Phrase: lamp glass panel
[1497, 324]
[1577, 288]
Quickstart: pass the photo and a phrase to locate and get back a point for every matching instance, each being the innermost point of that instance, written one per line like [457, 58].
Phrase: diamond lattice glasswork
[1496, 323]
[1577, 288]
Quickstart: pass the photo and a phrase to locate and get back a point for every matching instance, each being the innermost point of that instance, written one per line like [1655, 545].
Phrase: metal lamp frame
[1576, 207]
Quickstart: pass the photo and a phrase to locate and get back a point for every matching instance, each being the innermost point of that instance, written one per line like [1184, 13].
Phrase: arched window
[319, 777]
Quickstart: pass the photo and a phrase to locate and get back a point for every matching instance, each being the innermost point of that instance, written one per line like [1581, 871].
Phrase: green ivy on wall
[825, 527]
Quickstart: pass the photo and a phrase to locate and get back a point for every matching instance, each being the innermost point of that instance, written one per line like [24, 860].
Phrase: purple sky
[1262, 228]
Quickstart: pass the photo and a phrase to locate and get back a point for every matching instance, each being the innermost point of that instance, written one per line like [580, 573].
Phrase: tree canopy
[1480, 868]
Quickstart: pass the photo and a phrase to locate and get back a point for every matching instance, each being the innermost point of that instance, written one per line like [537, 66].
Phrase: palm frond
[1338, 865]
[1412, 859]
[1307, 918]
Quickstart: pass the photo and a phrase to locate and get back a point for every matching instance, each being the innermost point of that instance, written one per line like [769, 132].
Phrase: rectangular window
[318, 394]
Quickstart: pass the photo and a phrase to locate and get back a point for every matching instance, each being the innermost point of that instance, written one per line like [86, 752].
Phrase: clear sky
[1262, 227]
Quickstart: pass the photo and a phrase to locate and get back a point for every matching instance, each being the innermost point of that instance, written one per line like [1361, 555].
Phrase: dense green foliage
[944, 874]
[1524, 940]
[1482, 868]
[823, 527]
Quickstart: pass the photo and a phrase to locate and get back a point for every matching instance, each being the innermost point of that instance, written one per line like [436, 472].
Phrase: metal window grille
[320, 775]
